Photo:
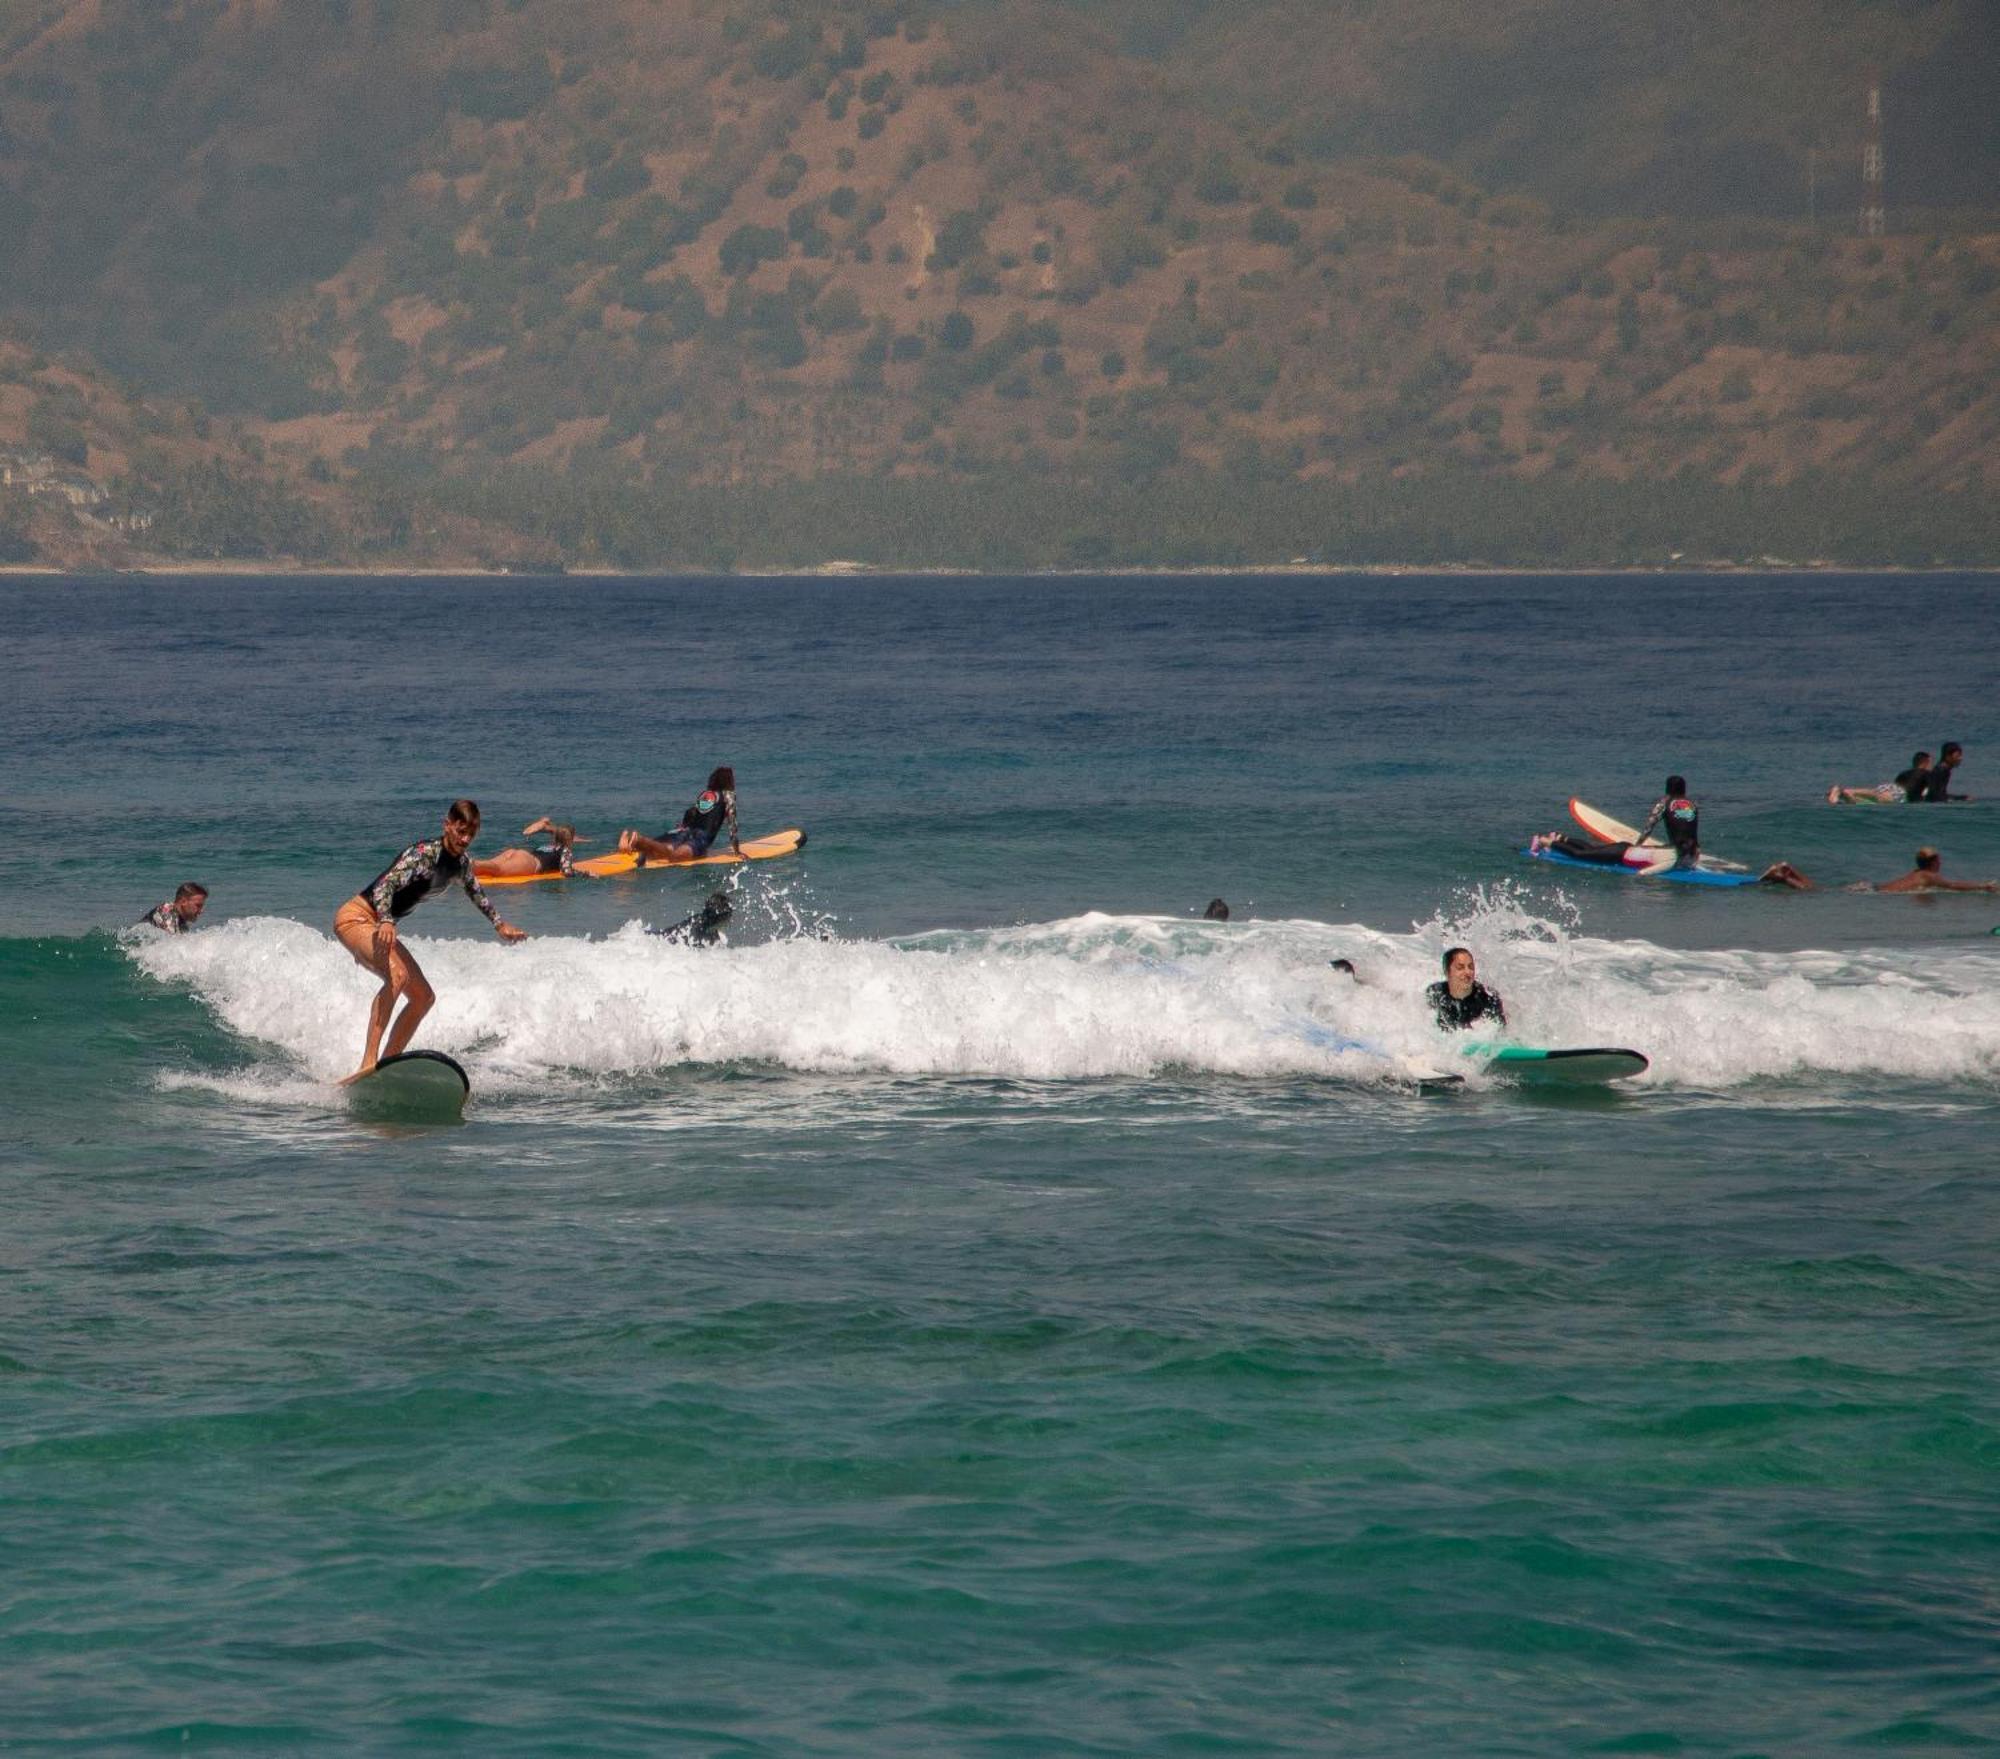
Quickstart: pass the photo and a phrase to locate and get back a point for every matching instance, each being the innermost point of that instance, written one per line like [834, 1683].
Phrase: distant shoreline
[228, 569]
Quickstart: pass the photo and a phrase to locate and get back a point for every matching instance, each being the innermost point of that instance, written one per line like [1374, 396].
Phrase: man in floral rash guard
[366, 926]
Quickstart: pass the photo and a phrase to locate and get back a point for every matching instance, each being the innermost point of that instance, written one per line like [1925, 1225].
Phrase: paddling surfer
[1928, 876]
[1909, 785]
[366, 926]
[557, 855]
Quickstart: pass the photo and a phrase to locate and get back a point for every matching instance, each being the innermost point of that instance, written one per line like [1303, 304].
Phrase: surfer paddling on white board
[557, 855]
[1461, 1000]
[366, 926]
[692, 838]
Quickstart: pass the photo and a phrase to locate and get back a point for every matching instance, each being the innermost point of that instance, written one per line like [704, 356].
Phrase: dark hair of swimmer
[465, 812]
[1217, 911]
[1922, 761]
[1951, 748]
[1451, 953]
[1346, 965]
[1927, 859]
[189, 889]
[723, 780]
[1677, 784]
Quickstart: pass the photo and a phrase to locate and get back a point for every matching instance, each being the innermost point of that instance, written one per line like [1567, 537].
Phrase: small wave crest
[1097, 996]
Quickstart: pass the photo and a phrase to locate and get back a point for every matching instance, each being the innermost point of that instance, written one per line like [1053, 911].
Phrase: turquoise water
[982, 1309]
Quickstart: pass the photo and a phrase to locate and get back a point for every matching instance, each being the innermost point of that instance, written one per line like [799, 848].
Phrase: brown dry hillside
[393, 260]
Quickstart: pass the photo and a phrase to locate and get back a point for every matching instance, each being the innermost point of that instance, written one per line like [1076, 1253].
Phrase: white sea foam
[1098, 996]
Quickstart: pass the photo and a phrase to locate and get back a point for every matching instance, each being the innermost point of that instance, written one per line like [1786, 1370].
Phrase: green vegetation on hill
[522, 281]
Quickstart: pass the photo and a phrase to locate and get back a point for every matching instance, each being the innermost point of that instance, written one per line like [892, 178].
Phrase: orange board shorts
[354, 925]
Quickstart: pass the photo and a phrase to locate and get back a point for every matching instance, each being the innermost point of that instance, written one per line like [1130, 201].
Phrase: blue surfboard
[1677, 876]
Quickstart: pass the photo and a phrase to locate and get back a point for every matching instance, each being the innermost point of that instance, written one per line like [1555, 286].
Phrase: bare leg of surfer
[419, 998]
[1783, 873]
[525, 863]
[356, 928]
[652, 849]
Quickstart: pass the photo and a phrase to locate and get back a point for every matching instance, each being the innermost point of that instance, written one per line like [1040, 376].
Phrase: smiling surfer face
[459, 832]
[1458, 975]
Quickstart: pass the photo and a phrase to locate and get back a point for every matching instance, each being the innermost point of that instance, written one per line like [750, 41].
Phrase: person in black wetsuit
[692, 838]
[366, 926]
[1680, 818]
[1938, 787]
[1674, 812]
[180, 912]
[1461, 1000]
[703, 928]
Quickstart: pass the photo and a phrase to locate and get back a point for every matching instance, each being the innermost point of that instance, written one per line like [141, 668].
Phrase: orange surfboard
[788, 842]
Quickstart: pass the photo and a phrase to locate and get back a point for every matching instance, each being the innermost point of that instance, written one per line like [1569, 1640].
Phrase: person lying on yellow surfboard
[555, 856]
[690, 839]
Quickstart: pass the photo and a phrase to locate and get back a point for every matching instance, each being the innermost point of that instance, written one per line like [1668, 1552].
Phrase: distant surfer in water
[692, 838]
[1461, 1000]
[180, 912]
[1928, 876]
[366, 926]
[1217, 911]
[1908, 786]
[1950, 755]
[557, 855]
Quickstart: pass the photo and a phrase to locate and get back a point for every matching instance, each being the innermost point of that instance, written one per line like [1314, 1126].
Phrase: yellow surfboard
[788, 842]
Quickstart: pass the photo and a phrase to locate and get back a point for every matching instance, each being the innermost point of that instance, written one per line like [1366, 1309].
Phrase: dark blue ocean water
[982, 1308]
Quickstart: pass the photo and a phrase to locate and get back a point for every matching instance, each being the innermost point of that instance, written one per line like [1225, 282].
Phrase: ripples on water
[1013, 1324]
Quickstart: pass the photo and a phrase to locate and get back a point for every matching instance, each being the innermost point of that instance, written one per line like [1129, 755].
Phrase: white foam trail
[1103, 996]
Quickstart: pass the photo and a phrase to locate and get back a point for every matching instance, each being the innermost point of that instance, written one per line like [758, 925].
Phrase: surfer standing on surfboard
[691, 838]
[366, 926]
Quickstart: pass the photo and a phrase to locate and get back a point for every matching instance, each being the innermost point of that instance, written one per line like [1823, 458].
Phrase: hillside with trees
[1005, 283]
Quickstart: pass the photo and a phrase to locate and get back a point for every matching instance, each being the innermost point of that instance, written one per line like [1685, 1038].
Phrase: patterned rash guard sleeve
[398, 874]
[477, 893]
